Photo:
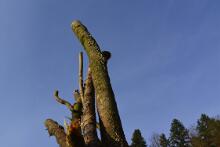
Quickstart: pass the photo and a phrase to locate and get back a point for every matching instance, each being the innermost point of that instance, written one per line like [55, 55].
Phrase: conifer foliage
[179, 136]
[137, 139]
[207, 132]
[164, 142]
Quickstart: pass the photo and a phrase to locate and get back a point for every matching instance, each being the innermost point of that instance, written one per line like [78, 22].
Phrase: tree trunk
[89, 116]
[112, 131]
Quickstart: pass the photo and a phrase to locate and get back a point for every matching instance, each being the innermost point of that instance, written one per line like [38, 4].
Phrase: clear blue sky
[165, 63]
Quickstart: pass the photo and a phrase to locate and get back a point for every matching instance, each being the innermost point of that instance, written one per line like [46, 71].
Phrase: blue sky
[165, 62]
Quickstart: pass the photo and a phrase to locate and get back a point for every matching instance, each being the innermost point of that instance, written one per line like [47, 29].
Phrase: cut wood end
[56, 93]
[75, 24]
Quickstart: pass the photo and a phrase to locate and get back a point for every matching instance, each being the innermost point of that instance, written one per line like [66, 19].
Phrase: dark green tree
[164, 142]
[203, 124]
[137, 139]
[179, 136]
[207, 132]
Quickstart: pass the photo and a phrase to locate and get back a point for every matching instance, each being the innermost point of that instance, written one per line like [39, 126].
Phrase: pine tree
[137, 139]
[208, 132]
[179, 136]
[164, 142]
[203, 125]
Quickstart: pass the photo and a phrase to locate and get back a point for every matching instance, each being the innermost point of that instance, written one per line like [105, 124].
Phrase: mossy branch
[62, 101]
[54, 129]
[112, 133]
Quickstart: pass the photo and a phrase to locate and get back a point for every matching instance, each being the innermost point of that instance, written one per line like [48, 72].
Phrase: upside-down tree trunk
[111, 127]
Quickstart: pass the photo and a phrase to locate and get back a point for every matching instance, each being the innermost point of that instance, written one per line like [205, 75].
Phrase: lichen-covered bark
[81, 88]
[54, 129]
[62, 101]
[113, 135]
[89, 116]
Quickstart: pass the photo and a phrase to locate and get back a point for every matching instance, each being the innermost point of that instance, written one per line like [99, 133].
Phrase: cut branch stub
[112, 132]
[77, 96]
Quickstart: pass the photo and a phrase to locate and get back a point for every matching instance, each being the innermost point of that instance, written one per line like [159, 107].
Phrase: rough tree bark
[82, 132]
[85, 95]
[89, 116]
[112, 132]
[54, 129]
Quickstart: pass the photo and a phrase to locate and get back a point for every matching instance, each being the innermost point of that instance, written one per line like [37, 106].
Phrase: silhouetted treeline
[205, 133]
